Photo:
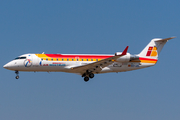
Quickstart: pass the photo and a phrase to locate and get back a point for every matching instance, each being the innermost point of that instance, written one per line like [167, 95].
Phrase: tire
[17, 77]
[91, 75]
[86, 79]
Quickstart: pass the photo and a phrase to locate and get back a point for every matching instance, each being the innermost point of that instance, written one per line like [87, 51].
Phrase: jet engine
[126, 58]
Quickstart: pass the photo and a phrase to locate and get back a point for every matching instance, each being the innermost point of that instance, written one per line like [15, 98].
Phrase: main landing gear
[17, 74]
[87, 75]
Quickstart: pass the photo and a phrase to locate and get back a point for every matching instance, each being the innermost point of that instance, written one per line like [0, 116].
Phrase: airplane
[87, 65]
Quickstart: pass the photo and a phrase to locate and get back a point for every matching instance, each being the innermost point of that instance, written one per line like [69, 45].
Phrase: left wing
[99, 65]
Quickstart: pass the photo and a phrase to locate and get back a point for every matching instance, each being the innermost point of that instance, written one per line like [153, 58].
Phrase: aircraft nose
[6, 66]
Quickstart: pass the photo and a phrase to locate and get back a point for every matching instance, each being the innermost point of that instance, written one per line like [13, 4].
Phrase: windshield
[20, 58]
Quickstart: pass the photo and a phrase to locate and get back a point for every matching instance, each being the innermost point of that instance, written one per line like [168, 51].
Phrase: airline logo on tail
[152, 51]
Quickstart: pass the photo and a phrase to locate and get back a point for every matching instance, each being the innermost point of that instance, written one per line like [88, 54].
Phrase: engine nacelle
[125, 58]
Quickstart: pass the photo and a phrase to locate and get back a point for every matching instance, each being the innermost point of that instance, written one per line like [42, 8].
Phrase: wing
[96, 67]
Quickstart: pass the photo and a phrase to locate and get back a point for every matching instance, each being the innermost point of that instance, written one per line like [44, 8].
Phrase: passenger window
[67, 59]
[41, 58]
[57, 59]
[62, 59]
[51, 59]
[72, 59]
[47, 59]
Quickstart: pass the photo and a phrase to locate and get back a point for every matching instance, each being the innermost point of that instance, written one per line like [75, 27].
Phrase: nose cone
[9, 65]
[6, 66]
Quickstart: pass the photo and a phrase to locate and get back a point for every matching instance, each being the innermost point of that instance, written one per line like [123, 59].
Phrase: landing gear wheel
[17, 77]
[86, 79]
[91, 75]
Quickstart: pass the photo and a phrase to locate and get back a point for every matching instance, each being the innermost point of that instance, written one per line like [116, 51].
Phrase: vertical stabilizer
[153, 49]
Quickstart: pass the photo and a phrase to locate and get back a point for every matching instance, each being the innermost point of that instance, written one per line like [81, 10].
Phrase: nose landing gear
[17, 76]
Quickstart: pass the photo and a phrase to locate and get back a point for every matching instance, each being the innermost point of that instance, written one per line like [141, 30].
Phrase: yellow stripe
[42, 55]
[145, 61]
[148, 61]
[45, 57]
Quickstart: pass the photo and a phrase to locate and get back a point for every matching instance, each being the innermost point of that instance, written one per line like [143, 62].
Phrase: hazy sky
[97, 27]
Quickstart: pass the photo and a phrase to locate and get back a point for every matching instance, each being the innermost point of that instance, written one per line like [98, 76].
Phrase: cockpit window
[20, 58]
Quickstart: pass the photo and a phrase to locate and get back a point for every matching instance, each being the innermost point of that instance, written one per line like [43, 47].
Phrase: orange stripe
[145, 60]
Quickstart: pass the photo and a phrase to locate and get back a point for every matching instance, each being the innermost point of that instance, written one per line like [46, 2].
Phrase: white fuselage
[31, 62]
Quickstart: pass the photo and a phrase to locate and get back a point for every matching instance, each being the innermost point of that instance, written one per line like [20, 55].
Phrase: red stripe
[89, 56]
[147, 59]
[80, 56]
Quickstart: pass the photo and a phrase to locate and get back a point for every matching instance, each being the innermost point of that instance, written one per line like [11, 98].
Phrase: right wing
[97, 66]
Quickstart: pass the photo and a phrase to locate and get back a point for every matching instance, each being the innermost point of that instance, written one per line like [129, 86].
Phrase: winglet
[125, 51]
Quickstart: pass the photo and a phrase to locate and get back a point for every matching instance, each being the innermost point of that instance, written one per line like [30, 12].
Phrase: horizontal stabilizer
[160, 40]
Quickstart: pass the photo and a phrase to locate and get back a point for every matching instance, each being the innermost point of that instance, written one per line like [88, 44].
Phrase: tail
[153, 49]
